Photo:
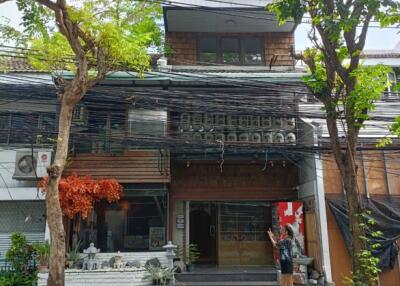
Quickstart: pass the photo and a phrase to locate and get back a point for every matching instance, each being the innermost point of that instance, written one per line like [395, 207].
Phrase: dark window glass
[147, 123]
[252, 48]
[230, 50]
[47, 123]
[131, 224]
[24, 128]
[4, 127]
[208, 50]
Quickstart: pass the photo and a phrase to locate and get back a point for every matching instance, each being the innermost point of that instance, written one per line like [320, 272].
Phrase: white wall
[11, 189]
[307, 177]
[178, 234]
[100, 277]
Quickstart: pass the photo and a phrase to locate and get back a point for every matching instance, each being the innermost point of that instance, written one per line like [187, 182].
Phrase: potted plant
[158, 275]
[178, 253]
[42, 251]
[74, 255]
[192, 257]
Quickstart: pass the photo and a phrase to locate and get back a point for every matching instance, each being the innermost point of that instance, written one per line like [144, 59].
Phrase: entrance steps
[235, 283]
[232, 276]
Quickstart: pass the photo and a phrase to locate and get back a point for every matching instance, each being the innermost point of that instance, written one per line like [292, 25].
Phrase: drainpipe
[187, 228]
[364, 174]
[388, 187]
[47, 232]
[320, 206]
[323, 222]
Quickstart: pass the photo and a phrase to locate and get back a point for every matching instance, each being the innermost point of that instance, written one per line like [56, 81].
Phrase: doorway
[231, 233]
[203, 230]
[242, 234]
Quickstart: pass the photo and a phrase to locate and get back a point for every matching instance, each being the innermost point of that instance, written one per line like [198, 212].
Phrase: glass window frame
[242, 51]
[142, 113]
[96, 226]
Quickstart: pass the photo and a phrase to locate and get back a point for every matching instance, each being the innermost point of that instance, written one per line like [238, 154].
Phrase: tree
[78, 194]
[89, 38]
[346, 88]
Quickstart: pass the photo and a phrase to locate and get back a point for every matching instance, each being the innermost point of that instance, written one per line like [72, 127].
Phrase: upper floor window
[231, 50]
[147, 123]
[26, 128]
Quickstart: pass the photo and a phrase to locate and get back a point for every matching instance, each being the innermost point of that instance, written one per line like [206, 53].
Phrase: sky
[376, 38]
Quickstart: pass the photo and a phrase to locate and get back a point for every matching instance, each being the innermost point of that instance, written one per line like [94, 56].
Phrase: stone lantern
[90, 263]
[170, 248]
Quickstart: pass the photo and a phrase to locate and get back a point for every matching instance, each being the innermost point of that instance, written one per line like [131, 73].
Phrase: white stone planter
[75, 277]
[109, 276]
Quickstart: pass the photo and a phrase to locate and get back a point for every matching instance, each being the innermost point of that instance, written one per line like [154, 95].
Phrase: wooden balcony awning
[144, 166]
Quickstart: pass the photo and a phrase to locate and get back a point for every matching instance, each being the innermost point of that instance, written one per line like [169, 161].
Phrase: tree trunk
[355, 206]
[54, 212]
[346, 163]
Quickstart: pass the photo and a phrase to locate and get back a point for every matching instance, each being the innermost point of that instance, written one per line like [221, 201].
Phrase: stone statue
[119, 261]
[90, 263]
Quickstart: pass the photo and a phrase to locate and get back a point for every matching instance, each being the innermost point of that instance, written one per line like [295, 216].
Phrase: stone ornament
[119, 261]
[90, 263]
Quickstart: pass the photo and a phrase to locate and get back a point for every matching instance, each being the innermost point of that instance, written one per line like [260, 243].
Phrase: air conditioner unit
[185, 121]
[244, 137]
[290, 123]
[208, 121]
[197, 136]
[267, 137]
[80, 116]
[209, 137]
[197, 121]
[220, 120]
[220, 137]
[255, 121]
[279, 138]
[290, 138]
[278, 123]
[28, 167]
[243, 122]
[232, 122]
[231, 137]
[266, 122]
[256, 137]
[186, 137]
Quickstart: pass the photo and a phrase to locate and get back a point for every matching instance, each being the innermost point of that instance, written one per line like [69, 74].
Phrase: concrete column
[323, 223]
[47, 232]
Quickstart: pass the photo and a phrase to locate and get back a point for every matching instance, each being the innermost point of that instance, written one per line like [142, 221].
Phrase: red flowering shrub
[78, 194]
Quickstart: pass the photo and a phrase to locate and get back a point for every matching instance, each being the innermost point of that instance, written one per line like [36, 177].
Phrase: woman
[285, 253]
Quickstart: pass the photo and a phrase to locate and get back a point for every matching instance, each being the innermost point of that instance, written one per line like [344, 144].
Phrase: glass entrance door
[203, 230]
[242, 233]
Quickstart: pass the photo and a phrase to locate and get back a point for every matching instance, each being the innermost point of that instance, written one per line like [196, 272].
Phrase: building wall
[184, 47]
[22, 208]
[373, 183]
[28, 217]
[144, 166]
[204, 181]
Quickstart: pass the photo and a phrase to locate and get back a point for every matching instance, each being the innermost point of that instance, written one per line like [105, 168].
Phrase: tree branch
[49, 4]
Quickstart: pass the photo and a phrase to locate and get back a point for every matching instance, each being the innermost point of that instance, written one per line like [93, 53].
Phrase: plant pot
[158, 282]
[190, 267]
[43, 268]
[70, 264]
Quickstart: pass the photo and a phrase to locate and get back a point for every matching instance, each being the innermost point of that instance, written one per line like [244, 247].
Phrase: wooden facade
[238, 181]
[378, 175]
[145, 166]
[277, 46]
